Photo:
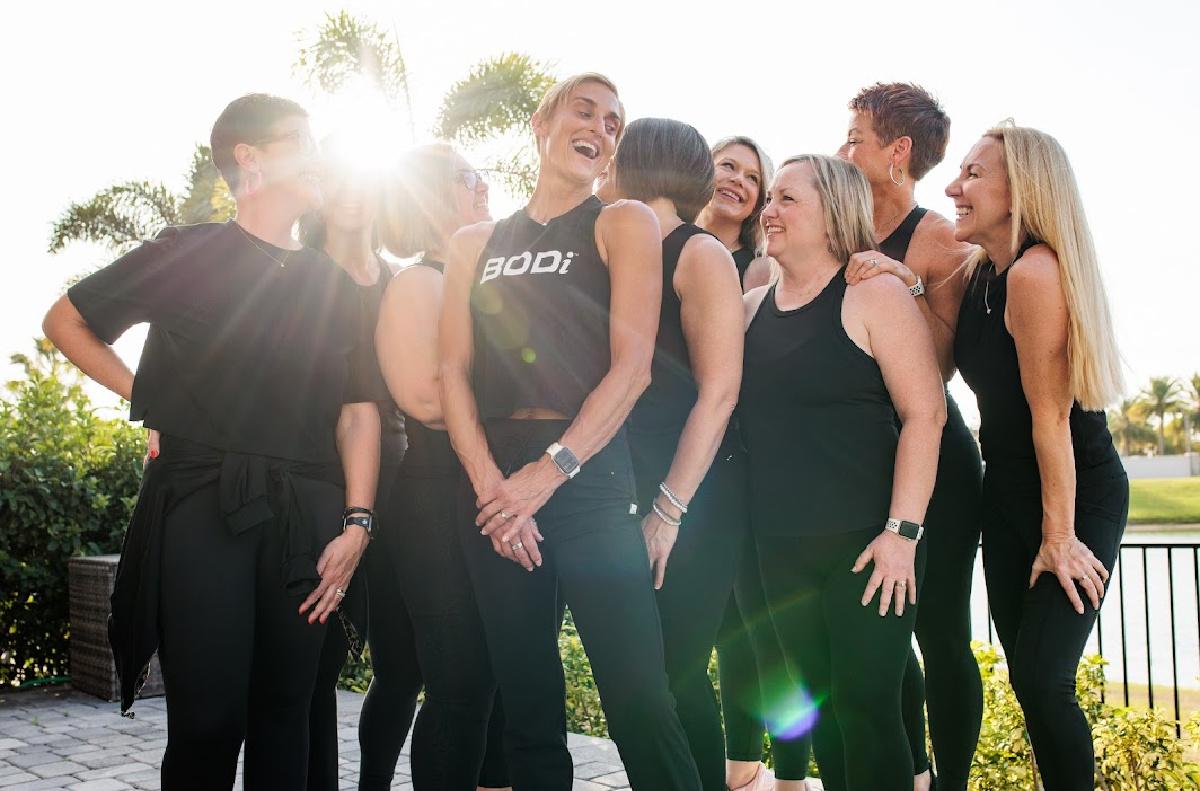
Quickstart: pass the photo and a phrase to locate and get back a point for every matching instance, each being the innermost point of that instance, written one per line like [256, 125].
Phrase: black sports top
[986, 355]
[741, 259]
[818, 421]
[392, 440]
[540, 306]
[243, 354]
[429, 451]
[895, 246]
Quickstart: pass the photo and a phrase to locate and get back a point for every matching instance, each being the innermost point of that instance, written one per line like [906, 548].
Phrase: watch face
[566, 460]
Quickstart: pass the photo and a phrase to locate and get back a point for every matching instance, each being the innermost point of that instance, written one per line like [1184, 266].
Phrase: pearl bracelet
[663, 515]
[670, 495]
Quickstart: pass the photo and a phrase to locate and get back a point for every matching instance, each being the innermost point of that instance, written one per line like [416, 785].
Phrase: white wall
[1179, 466]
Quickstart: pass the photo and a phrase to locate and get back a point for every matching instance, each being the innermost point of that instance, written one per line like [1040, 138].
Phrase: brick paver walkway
[67, 741]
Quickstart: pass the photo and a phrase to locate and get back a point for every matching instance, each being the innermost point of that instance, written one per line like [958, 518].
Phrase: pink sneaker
[763, 780]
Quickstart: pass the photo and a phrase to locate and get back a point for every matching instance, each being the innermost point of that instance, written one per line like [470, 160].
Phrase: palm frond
[207, 198]
[117, 216]
[345, 47]
[497, 97]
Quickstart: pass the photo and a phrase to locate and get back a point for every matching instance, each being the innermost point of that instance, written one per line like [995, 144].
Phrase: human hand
[506, 510]
[336, 567]
[869, 263]
[1071, 561]
[894, 574]
[660, 540]
[152, 440]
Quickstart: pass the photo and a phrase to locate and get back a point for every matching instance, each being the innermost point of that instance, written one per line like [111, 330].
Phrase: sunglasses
[471, 179]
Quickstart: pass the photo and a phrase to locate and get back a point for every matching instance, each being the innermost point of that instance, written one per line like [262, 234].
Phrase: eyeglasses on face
[298, 136]
[471, 179]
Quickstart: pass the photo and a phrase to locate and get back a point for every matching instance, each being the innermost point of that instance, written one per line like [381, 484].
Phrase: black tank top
[817, 419]
[429, 450]
[540, 305]
[895, 246]
[741, 259]
[392, 439]
[986, 355]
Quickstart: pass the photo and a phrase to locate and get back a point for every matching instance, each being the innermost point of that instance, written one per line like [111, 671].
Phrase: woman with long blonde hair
[1035, 342]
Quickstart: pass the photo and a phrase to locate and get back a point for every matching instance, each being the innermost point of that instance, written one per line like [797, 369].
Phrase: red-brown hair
[902, 109]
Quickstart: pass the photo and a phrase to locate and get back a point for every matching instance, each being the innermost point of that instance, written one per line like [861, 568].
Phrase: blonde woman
[1035, 343]
[838, 491]
[742, 170]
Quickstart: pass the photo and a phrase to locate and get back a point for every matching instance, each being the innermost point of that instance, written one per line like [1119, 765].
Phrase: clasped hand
[506, 510]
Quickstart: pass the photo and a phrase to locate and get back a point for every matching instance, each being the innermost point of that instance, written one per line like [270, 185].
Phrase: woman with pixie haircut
[838, 490]
[252, 518]
[547, 337]
[897, 133]
[690, 471]
[1035, 343]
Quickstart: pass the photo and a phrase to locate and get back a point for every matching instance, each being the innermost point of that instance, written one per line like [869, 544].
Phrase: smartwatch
[917, 289]
[909, 530]
[566, 461]
[363, 517]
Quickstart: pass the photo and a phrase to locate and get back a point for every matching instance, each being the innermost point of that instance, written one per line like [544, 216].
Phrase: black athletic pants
[1042, 635]
[848, 659]
[238, 660]
[425, 627]
[754, 674]
[594, 557]
[691, 603]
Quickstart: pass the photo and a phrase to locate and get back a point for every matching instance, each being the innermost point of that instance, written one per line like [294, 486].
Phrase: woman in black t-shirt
[537, 382]
[239, 549]
[742, 171]
[838, 489]
[423, 606]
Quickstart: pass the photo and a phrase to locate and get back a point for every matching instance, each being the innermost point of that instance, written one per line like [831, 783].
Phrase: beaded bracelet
[675, 501]
[663, 515]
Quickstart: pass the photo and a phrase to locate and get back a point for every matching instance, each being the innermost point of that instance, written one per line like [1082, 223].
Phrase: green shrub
[68, 481]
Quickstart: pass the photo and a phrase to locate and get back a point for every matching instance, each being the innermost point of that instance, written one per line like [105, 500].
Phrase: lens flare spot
[528, 355]
[790, 711]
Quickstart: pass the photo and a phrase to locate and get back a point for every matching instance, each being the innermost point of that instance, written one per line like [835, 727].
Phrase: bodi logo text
[546, 262]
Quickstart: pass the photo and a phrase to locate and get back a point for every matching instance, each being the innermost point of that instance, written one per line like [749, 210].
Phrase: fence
[1149, 626]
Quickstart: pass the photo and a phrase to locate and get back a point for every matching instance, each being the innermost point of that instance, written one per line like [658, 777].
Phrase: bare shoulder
[884, 292]
[413, 282]
[624, 212]
[1035, 271]
[936, 250]
[707, 251]
[468, 242]
[758, 273]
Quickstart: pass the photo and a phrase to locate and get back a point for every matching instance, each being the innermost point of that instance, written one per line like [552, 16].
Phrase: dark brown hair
[661, 158]
[902, 109]
[247, 119]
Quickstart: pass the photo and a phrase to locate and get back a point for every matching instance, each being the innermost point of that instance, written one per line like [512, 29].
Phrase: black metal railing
[1149, 626]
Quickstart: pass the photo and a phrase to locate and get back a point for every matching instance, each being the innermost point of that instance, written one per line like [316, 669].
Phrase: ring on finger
[517, 545]
[340, 593]
[872, 263]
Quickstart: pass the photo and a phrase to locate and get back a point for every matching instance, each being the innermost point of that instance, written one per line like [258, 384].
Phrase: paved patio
[57, 738]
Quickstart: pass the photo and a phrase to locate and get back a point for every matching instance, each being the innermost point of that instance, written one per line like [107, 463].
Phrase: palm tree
[1127, 423]
[1191, 410]
[490, 104]
[1163, 395]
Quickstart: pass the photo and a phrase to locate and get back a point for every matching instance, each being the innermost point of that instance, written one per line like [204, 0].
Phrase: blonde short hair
[846, 198]
[1046, 205]
[562, 90]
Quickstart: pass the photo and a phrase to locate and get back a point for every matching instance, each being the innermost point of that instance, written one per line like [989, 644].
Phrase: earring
[892, 176]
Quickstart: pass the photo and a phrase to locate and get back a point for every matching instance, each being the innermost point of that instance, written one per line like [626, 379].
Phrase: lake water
[1142, 589]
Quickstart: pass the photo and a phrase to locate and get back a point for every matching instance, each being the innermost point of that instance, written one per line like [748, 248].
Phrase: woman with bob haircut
[838, 492]
[690, 471]
[741, 172]
[546, 344]
[1035, 343]
[253, 515]
[423, 609]
[897, 134]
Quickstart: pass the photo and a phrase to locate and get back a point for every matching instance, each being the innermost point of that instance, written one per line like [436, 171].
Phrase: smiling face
[981, 195]
[470, 193]
[793, 218]
[865, 150]
[284, 164]
[578, 138]
[738, 182]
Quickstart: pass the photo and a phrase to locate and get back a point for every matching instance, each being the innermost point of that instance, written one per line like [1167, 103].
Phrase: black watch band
[366, 522]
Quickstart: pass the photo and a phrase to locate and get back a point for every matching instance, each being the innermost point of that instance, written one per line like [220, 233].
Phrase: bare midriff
[537, 413]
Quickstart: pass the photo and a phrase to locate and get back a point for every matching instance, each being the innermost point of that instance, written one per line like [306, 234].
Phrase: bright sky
[98, 93]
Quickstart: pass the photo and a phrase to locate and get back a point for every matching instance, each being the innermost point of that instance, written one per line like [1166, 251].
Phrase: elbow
[52, 323]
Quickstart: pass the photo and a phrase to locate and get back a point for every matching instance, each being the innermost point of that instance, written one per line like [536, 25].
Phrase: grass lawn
[1164, 501]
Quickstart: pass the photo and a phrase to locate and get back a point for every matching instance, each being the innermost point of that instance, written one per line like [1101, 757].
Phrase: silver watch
[566, 461]
[918, 288]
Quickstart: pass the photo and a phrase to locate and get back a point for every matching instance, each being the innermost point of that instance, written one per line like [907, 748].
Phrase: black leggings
[238, 660]
[951, 686]
[848, 659]
[1042, 635]
[594, 558]
[425, 626]
[753, 672]
[691, 604]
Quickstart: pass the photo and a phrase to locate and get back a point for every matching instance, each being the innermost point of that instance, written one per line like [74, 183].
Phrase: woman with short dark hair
[254, 514]
[690, 470]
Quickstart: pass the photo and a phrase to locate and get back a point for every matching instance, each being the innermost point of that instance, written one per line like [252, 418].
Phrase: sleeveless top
[429, 451]
[895, 246]
[392, 437]
[741, 259]
[817, 419]
[986, 355]
[540, 306]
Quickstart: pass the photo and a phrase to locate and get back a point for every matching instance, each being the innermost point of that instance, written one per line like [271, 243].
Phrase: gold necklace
[281, 261]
